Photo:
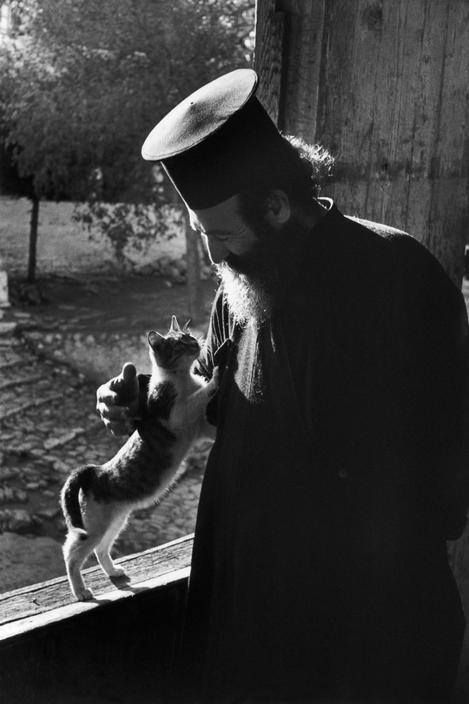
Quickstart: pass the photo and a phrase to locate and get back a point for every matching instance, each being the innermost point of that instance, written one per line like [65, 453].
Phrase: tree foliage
[83, 82]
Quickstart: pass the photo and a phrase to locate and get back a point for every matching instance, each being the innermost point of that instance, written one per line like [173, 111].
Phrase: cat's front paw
[83, 594]
[118, 573]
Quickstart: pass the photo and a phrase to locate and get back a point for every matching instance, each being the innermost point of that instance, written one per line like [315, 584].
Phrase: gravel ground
[48, 426]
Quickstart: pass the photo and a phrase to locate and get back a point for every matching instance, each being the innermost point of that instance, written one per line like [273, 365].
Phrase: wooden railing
[117, 648]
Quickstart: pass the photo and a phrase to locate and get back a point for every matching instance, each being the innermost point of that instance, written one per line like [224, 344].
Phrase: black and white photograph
[234, 351]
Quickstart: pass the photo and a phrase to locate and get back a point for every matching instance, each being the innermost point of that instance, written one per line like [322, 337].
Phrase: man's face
[244, 255]
[226, 235]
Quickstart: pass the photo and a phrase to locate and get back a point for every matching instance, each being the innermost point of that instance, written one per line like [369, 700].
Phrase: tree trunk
[194, 287]
[33, 239]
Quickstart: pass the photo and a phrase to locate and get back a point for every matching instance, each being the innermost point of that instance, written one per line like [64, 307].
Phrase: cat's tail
[81, 478]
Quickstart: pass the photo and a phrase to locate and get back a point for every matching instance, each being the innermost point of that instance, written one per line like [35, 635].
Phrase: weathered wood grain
[118, 648]
[268, 57]
[383, 85]
[145, 570]
[302, 65]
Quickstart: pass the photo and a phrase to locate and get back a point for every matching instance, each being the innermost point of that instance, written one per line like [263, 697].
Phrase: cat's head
[175, 350]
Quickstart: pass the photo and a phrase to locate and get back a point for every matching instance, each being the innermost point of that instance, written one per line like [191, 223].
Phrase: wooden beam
[36, 605]
[119, 647]
[303, 51]
[268, 56]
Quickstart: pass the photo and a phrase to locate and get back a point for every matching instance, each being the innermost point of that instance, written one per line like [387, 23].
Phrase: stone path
[48, 426]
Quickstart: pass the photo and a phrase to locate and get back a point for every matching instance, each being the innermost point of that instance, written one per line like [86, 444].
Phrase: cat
[97, 500]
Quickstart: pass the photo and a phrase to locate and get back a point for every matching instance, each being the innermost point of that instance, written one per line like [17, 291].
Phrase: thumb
[126, 384]
[129, 386]
[129, 372]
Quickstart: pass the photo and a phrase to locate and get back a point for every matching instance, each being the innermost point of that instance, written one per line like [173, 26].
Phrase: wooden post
[268, 56]
[4, 298]
[34, 223]
[383, 85]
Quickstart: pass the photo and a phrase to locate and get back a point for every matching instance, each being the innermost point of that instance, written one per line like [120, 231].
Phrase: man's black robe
[319, 565]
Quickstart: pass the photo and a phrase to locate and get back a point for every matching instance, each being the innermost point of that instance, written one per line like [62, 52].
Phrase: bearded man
[319, 570]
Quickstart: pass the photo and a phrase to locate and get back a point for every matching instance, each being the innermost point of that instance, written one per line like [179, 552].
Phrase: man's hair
[300, 177]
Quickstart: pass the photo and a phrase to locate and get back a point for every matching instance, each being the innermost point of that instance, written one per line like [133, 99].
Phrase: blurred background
[95, 247]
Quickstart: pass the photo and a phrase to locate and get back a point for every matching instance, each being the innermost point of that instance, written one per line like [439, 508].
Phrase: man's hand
[117, 401]
[214, 383]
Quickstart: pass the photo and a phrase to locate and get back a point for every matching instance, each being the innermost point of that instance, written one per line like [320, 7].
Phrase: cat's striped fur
[97, 499]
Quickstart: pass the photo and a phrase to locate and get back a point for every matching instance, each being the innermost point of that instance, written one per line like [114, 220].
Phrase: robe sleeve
[217, 336]
[432, 350]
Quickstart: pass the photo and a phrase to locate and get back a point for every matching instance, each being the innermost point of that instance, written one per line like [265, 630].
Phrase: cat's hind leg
[76, 549]
[103, 549]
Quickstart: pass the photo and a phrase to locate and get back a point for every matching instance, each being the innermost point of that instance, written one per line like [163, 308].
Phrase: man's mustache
[236, 262]
[233, 264]
[251, 263]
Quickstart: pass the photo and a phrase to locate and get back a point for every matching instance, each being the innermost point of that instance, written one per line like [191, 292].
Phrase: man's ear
[277, 208]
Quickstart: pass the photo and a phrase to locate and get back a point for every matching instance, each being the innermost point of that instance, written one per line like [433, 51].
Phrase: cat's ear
[154, 338]
[186, 326]
[174, 325]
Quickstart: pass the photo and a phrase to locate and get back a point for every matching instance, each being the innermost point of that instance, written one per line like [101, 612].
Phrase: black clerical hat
[217, 142]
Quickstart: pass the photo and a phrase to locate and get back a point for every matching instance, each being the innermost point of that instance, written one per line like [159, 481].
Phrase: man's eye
[219, 237]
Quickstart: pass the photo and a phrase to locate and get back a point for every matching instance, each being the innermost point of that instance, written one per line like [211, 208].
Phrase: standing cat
[97, 499]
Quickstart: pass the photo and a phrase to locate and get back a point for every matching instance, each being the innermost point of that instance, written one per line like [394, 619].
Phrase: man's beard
[248, 295]
[251, 282]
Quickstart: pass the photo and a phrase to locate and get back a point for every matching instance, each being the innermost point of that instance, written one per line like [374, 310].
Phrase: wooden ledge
[26, 609]
[119, 647]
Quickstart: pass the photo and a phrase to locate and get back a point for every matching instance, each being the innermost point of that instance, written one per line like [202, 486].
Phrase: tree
[83, 81]
[11, 183]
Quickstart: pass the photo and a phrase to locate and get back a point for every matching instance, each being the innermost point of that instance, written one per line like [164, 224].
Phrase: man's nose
[216, 251]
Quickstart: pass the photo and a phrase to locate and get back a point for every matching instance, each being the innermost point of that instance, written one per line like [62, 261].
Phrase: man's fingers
[117, 421]
[107, 397]
[113, 413]
[110, 395]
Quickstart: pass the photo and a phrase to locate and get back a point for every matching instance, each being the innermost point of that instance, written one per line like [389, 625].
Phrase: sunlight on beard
[247, 297]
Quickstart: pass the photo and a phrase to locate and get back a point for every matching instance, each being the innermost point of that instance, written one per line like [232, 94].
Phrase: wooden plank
[19, 627]
[337, 116]
[302, 65]
[122, 651]
[448, 215]
[143, 569]
[393, 107]
[268, 56]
